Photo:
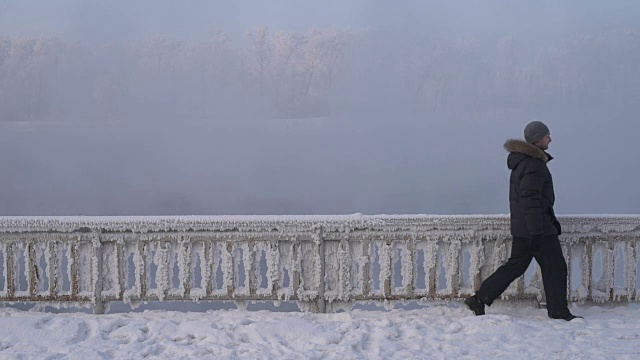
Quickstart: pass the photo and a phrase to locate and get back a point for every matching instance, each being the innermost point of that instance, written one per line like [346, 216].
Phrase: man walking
[534, 226]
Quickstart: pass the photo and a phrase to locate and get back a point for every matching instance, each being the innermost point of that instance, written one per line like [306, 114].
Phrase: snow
[439, 330]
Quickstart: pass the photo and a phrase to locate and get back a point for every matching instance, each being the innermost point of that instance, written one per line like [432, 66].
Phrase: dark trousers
[548, 254]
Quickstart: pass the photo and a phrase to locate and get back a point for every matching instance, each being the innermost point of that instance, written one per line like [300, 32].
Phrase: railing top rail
[143, 224]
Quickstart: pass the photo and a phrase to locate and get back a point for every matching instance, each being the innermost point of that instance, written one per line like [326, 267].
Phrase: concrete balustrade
[321, 262]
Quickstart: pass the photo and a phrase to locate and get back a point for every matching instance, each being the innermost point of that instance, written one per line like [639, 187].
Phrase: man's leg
[500, 280]
[554, 276]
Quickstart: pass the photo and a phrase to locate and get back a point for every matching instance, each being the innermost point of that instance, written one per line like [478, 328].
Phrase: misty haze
[164, 108]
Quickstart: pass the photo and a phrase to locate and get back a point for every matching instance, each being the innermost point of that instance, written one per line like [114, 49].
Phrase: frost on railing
[321, 262]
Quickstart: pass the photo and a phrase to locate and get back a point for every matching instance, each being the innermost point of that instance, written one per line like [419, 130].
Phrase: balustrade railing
[321, 262]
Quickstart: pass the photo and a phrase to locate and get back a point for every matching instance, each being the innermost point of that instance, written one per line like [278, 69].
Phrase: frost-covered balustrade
[322, 262]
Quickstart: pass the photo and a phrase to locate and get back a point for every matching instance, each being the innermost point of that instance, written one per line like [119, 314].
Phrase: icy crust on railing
[239, 223]
[331, 223]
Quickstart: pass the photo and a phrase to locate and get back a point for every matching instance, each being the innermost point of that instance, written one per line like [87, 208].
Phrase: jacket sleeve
[555, 222]
[557, 225]
[531, 197]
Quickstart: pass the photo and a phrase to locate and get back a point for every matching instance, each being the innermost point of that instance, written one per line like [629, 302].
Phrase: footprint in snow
[81, 334]
[44, 322]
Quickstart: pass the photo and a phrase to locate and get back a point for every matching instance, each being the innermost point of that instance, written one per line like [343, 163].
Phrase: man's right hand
[556, 223]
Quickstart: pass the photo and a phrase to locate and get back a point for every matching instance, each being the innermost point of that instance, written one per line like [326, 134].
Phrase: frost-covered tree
[287, 46]
[210, 64]
[311, 73]
[159, 66]
[261, 49]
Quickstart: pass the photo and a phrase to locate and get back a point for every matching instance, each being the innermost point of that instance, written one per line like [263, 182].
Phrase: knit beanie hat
[535, 131]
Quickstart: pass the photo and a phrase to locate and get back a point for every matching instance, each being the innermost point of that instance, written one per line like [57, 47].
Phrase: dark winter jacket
[531, 195]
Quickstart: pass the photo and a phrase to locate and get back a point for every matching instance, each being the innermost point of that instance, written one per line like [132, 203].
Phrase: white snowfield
[445, 330]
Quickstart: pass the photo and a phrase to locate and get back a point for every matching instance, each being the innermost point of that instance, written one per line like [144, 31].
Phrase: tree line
[313, 73]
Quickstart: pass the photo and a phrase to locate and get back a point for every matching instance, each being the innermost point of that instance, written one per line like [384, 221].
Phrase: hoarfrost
[197, 267]
[358, 275]
[407, 265]
[453, 261]
[5, 269]
[162, 261]
[184, 264]
[274, 271]
[477, 260]
[217, 276]
[96, 264]
[344, 272]
[385, 266]
[208, 279]
[286, 269]
[51, 265]
[227, 269]
[296, 267]
[430, 262]
[89, 258]
[141, 274]
[318, 281]
[500, 254]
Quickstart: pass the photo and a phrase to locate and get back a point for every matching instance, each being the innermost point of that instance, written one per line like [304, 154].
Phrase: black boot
[568, 317]
[474, 304]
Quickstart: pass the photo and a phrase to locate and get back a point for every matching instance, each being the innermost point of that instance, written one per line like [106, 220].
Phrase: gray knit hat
[535, 131]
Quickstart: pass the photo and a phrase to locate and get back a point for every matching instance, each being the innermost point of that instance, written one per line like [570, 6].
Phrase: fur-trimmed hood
[524, 149]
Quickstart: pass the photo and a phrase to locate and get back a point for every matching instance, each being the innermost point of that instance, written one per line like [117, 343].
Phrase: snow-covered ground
[440, 330]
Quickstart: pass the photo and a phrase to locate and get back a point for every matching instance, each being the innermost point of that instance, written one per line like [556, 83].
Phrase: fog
[287, 107]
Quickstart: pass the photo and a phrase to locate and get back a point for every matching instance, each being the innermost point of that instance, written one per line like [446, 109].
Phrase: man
[534, 226]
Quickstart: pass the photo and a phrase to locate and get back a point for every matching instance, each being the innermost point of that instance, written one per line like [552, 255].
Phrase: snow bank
[445, 330]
